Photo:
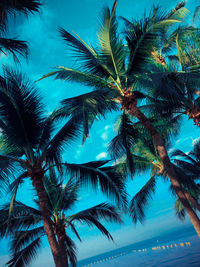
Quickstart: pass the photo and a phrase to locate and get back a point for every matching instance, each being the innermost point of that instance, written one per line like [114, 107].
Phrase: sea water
[184, 250]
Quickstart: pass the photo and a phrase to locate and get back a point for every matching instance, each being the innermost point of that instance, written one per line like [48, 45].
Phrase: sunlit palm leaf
[86, 55]
[112, 50]
[13, 188]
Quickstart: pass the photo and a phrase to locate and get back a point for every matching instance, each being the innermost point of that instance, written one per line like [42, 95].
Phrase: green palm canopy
[116, 70]
[24, 226]
[33, 143]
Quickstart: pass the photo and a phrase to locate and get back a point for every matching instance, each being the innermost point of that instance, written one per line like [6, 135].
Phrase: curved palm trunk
[61, 241]
[160, 146]
[44, 208]
[192, 200]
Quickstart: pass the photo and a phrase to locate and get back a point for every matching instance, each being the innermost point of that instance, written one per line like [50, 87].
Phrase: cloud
[104, 136]
[106, 132]
[102, 155]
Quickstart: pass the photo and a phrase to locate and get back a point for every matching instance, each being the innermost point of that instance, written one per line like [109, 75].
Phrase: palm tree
[180, 212]
[25, 227]
[175, 80]
[13, 7]
[114, 70]
[33, 144]
[137, 151]
[189, 162]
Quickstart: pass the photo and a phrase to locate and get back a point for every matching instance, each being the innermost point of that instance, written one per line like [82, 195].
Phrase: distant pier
[163, 247]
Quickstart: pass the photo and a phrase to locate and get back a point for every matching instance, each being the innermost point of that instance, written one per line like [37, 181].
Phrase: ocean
[170, 250]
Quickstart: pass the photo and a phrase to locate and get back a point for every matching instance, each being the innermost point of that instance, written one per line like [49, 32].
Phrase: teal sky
[47, 50]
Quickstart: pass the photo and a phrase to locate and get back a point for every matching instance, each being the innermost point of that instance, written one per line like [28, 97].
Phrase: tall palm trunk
[192, 200]
[61, 241]
[44, 209]
[160, 146]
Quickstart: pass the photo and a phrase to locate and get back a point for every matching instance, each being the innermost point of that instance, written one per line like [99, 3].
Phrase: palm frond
[21, 110]
[111, 182]
[102, 211]
[179, 153]
[180, 211]
[88, 107]
[122, 143]
[8, 167]
[73, 229]
[91, 221]
[143, 35]
[195, 152]
[22, 216]
[26, 255]
[65, 136]
[141, 199]
[187, 167]
[67, 195]
[11, 7]
[13, 188]
[73, 75]
[71, 250]
[111, 51]
[22, 238]
[85, 55]
[14, 47]
[48, 128]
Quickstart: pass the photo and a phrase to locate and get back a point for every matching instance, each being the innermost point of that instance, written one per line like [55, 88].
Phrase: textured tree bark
[61, 241]
[44, 208]
[192, 200]
[160, 146]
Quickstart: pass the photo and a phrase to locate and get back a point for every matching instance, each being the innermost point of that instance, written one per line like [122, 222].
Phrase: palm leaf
[26, 255]
[21, 111]
[13, 188]
[122, 143]
[111, 182]
[101, 211]
[86, 55]
[71, 250]
[22, 216]
[77, 76]
[140, 200]
[13, 47]
[88, 107]
[22, 238]
[180, 211]
[11, 7]
[143, 35]
[66, 135]
[112, 50]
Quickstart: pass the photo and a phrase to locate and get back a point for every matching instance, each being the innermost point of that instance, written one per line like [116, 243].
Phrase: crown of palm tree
[134, 149]
[33, 143]
[25, 228]
[113, 68]
[175, 83]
